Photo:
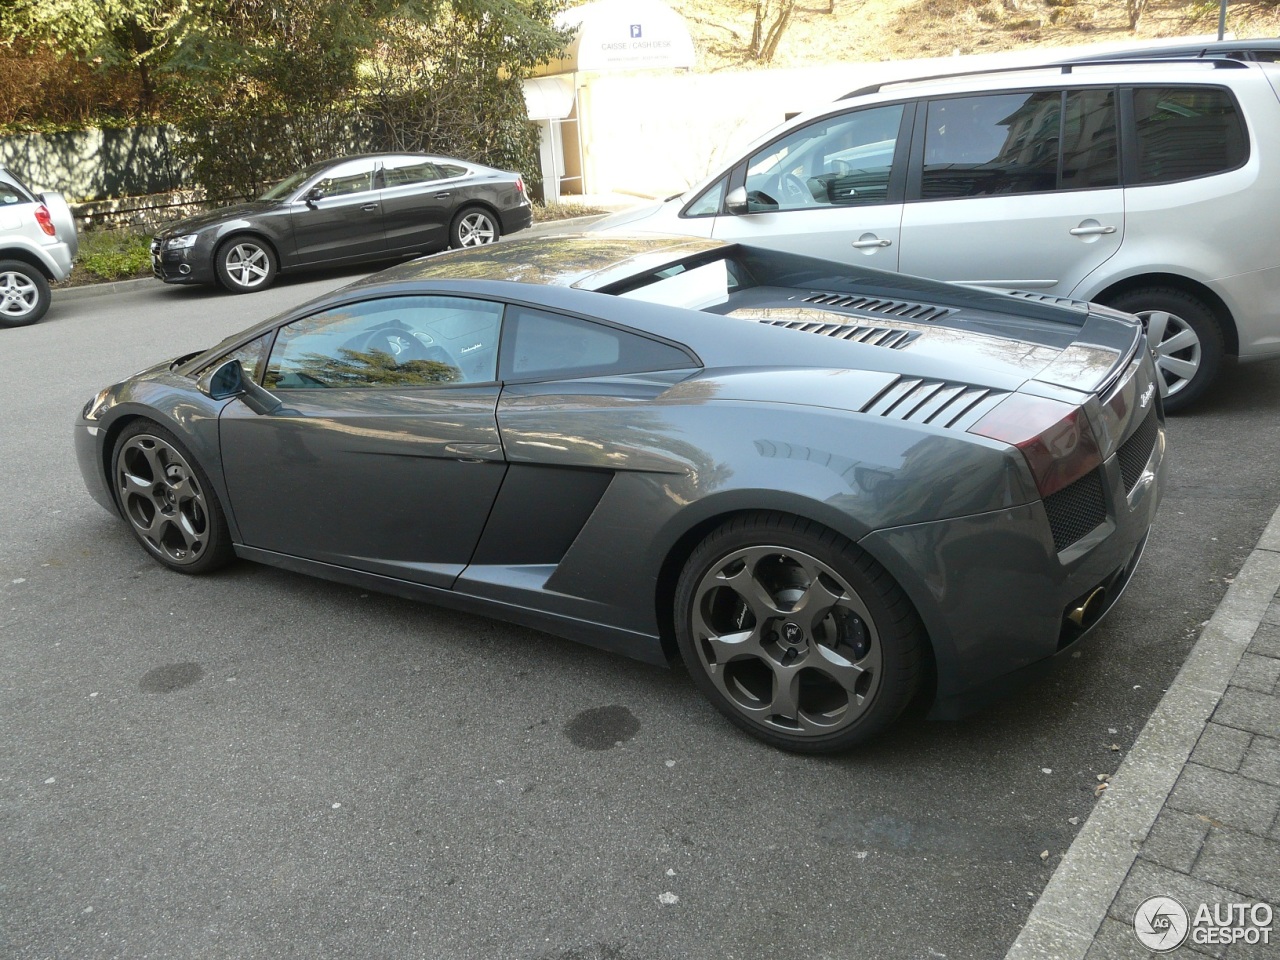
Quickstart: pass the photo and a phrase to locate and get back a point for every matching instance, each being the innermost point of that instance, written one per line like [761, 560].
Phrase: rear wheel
[796, 635]
[168, 500]
[474, 227]
[24, 293]
[1186, 337]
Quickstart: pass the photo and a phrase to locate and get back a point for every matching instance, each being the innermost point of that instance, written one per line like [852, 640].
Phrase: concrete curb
[64, 294]
[1073, 906]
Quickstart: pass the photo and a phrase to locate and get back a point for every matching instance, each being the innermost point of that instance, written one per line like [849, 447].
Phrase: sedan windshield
[283, 189]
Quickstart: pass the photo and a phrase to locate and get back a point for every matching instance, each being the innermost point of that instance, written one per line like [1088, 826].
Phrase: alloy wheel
[786, 641]
[162, 499]
[19, 295]
[247, 264]
[1177, 348]
[475, 230]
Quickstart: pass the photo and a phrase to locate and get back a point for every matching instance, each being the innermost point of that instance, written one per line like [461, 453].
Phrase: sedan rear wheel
[796, 635]
[245, 264]
[24, 294]
[168, 501]
[474, 227]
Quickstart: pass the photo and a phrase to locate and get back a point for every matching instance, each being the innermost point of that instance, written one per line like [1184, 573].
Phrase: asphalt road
[258, 764]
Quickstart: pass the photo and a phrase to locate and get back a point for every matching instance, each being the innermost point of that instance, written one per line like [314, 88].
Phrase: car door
[338, 216]
[576, 417]
[832, 188]
[1014, 189]
[384, 454]
[416, 204]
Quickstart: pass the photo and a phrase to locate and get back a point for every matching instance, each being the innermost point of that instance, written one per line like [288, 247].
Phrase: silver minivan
[1149, 186]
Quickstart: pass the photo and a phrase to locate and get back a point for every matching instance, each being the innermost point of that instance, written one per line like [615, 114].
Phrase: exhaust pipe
[1087, 611]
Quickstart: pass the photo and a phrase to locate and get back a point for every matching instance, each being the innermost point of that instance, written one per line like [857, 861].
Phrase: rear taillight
[520, 185]
[1054, 437]
[45, 221]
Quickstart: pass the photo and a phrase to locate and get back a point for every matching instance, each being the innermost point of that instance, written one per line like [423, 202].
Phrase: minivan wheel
[796, 635]
[1186, 338]
[24, 294]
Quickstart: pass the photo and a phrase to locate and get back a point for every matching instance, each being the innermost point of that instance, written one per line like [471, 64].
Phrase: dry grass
[872, 30]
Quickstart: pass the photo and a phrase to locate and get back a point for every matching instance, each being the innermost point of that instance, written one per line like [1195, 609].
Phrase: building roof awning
[549, 98]
[623, 35]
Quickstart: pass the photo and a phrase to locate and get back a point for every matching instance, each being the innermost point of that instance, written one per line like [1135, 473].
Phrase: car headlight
[180, 243]
[93, 408]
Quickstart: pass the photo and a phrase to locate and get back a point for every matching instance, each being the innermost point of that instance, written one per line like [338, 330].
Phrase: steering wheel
[795, 192]
[402, 343]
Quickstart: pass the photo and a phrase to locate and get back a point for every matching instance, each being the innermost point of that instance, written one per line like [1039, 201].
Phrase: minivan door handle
[1094, 230]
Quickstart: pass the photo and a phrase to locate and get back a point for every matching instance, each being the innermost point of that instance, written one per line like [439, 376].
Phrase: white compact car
[38, 241]
[1150, 186]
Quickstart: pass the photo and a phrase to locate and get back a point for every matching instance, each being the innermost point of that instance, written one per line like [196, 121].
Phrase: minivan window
[838, 161]
[1013, 143]
[1186, 132]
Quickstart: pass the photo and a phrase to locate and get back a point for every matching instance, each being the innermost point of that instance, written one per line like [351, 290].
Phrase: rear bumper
[995, 594]
[517, 219]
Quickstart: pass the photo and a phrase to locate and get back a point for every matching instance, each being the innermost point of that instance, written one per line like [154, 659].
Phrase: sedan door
[384, 454]
[416, 204]
[1018, 190]
[338, 216]
[830, 189]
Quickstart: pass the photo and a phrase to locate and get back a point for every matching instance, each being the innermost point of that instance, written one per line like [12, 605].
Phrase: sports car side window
[392, 342]
[545, 346]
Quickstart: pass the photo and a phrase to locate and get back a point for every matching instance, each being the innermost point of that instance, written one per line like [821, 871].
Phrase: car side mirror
[227, 380]
[312, 195]
[735, 201]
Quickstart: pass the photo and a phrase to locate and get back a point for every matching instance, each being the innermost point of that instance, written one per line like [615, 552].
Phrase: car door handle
[474, 452]
[369, 207]
[873, 242]
[1094, 231]
[442, 196]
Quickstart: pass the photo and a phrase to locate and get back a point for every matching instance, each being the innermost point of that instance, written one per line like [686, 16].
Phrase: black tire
[245, 264]
[474, 227]
[796, 635]
[24, 293]
[1188, 344]
[167, 500]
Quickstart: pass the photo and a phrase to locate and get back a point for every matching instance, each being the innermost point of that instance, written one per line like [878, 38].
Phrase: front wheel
[1186, 338]
[168, 500]
[24, 294]
[474, 227]
[245, 264]
[796, 635]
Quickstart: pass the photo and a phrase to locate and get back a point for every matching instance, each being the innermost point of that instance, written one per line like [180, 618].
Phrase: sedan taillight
[520, 185]
[45, 220]
[1053, 437]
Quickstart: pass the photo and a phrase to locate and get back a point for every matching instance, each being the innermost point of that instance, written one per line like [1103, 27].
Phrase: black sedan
[830, 490]
[351, 210]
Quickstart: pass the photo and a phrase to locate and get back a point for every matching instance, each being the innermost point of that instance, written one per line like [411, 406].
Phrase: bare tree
[771, 22]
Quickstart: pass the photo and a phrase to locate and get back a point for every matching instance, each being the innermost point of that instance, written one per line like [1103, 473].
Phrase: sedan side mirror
[228, 380]
[312, 195]
[735, 201]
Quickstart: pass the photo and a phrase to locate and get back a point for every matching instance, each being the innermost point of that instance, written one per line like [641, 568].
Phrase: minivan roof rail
[1219, 63]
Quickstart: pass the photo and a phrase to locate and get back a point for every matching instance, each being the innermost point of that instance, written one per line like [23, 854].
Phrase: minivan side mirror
[735, 201]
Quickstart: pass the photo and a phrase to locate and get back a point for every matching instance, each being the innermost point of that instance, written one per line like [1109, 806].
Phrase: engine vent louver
[1045, 298]
[903, 309]
[938, 402]
[876, 336]
[1136, 451]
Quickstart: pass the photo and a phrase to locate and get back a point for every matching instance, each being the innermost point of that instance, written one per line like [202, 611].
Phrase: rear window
[1186, 132]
